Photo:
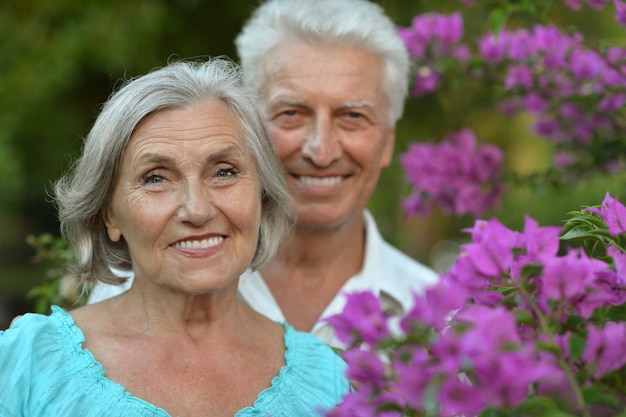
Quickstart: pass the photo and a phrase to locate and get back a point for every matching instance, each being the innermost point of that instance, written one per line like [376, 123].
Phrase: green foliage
[589, 229]
[59, 288]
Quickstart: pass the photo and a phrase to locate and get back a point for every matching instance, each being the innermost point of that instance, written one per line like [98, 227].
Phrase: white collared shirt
[390, 274]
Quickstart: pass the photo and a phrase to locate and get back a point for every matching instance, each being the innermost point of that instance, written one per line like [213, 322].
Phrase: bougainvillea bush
[572, 90]
[525, 323]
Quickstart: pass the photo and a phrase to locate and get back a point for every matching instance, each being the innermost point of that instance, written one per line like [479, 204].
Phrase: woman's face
[187, 201]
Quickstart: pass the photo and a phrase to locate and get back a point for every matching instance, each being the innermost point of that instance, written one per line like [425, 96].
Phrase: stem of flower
[571, 379]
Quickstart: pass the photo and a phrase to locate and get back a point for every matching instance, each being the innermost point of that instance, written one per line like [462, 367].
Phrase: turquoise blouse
[44, 371]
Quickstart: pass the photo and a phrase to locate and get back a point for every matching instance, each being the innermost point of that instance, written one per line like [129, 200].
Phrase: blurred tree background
[60, 59]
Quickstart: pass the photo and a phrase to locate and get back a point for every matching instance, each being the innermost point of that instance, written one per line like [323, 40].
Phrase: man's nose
[322, 145]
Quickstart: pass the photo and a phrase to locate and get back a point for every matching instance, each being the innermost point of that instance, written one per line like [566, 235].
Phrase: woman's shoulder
[313, 379]
[36, 342]
[39, 329]
[45, 369]
[310, 356]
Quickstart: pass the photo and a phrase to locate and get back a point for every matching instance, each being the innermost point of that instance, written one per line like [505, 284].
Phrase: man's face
[327, 116]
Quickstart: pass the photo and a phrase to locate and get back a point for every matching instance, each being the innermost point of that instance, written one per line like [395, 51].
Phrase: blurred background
[60, 59]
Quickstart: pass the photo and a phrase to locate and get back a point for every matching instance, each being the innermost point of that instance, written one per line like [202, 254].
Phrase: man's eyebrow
[289, 102]
[357, 105]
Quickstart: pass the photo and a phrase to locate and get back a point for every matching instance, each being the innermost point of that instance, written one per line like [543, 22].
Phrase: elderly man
[332, 78]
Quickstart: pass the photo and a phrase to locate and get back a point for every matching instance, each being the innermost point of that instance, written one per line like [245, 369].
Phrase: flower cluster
[522, 324]
[575, 93]
[434, 42]
[620, 6]
[458, 174]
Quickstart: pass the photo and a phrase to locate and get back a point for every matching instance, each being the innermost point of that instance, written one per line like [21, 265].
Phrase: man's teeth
[199, 244]
[323, 182]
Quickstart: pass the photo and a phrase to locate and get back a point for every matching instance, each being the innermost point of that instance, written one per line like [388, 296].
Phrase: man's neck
[311, 267]
[341, 247]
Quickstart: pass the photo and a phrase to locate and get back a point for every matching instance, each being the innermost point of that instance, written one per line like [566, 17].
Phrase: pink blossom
[614, 213]
[620, 15]
[458, 175]
[365, 368]
[362, 320]
[605, 347]
[569, 276]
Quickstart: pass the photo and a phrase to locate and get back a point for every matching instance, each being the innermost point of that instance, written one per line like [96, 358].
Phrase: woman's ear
[115, 234]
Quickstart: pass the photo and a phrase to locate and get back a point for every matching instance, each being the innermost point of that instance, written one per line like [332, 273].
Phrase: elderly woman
[177, 183]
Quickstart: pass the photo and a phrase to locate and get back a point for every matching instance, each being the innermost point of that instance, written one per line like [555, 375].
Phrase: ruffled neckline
[87, 361]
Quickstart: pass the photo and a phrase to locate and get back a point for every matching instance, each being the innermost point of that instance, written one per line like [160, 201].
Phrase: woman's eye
[226, 172]
[153, 179]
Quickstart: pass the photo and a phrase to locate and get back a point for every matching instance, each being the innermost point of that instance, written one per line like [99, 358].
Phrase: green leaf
[579, 231]
[577, 344]
[548, 347]
[537, 403]
[596, 394]
[498, 18]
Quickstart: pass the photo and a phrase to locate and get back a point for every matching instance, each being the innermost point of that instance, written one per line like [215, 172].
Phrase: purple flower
[614, 213]
[412, 374]
[571, 111]
[535, 103]
[434, 306]
[620, 14]
[365, 368]
[426, 81]
[605, 347]
[540, 242]
[519, 76]
[547, 127]
[585, 64]
[492, 47]
[612, 102]
[501, 366]
[458, 397]
[619, 262]
[568, 277]
[356, 404]
[485, 262]
[458, 175]
[574, 4]
[520, 45]
[563, 159]
[413, 42]
[362, 319]
[598, 4]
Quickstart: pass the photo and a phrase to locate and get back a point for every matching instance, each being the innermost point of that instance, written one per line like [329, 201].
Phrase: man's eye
[290, 113]
[354, 115]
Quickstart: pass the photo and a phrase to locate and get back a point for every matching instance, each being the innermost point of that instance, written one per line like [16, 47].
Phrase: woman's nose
[196, 203]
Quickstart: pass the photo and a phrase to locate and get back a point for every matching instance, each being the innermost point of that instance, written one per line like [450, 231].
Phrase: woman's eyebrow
[231, 150]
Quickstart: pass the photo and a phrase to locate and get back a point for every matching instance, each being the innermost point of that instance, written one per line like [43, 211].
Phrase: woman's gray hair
[357, 23]
[83, 193]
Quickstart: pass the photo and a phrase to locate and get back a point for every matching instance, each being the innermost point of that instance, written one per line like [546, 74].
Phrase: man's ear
[388, 149]
[115, 234]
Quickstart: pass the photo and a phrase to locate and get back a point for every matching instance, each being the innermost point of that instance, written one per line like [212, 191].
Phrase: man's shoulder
[402, 267]
[401, 272]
